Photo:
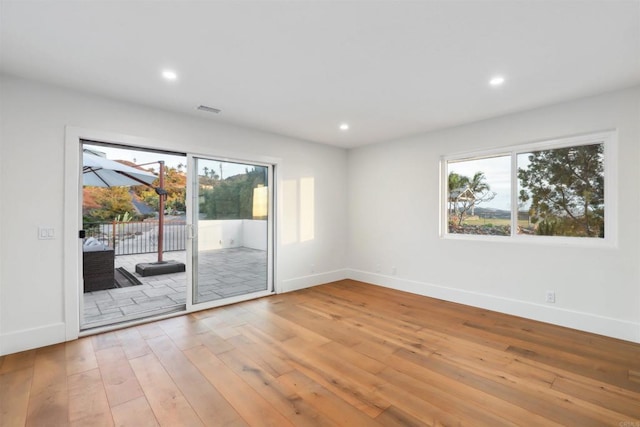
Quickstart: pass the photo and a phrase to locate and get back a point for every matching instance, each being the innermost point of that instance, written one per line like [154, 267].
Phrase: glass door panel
[134, 250]
[231, 220]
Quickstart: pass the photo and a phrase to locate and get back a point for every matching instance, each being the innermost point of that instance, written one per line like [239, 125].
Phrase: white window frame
[610, 141]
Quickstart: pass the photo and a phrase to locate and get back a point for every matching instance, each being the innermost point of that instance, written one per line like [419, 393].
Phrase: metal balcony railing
[128, 238]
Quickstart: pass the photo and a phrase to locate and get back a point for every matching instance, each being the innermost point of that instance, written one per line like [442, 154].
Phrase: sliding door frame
[72, 222]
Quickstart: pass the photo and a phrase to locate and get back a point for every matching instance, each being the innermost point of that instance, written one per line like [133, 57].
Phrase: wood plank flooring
[342, 354]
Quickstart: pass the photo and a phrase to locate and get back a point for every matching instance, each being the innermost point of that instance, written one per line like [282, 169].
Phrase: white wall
[254, 234]
[33, 117]
[219, 234]
[232, 233]
[393, 222]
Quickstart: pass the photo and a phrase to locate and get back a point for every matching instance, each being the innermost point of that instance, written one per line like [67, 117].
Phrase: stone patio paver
[223, 273]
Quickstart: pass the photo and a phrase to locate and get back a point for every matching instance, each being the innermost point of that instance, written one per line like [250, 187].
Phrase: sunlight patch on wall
[289, 224]
[298, 210]
[307, 209]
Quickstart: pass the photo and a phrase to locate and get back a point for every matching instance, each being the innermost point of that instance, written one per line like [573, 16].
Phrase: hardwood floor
[341, 354]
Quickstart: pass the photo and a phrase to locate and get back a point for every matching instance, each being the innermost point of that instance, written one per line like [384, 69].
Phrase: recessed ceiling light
[169, 75]
[496, 81]
[344, 126]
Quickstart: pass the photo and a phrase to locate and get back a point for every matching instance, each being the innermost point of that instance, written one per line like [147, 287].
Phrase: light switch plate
[46, 233]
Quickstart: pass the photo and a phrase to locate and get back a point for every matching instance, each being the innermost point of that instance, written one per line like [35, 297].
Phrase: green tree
[466, 193]
[457, 184]
[175, 183]
[112, 202]
[478, 184]
[565, 187]
[232, 198]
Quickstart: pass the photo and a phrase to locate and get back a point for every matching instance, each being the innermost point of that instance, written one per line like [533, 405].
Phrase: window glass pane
[561, 191]
[479, 196]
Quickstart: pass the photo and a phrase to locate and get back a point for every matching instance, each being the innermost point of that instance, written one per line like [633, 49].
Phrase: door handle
[191, 233]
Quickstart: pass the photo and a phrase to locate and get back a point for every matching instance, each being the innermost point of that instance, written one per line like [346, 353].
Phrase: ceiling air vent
[209, 109]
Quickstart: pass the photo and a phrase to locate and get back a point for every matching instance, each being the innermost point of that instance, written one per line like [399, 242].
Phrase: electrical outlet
[550, 297]
[394, 271]
[312, 269]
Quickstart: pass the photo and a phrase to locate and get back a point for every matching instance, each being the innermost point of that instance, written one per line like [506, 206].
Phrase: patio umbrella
[101, 172]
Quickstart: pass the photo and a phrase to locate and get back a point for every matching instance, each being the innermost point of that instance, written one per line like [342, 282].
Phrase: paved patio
[222, 273]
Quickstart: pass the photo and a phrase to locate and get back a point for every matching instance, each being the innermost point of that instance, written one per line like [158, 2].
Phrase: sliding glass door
[163, 232]
[231, 230]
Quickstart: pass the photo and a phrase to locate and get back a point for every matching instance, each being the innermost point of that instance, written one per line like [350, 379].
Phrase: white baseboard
[611, 327]
[27, 339]
[312, 280]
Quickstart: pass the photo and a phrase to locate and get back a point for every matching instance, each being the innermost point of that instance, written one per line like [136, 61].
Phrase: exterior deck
[223, 273]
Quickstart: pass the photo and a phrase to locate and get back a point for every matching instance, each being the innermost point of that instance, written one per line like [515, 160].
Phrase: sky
[141, 157]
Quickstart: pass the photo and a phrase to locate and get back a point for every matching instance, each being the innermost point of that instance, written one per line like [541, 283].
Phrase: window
[554, 189]
[479, 196]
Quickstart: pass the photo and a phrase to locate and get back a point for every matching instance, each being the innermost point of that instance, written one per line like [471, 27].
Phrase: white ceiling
[300, 68]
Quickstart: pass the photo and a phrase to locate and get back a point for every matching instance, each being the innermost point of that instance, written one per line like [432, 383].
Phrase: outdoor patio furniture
[98, 265]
